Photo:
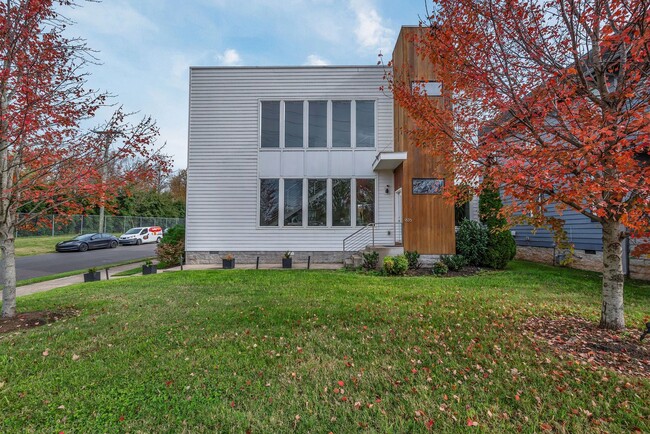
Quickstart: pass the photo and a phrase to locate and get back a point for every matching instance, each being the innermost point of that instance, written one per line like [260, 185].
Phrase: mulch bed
[618, 351]
[465, 271]
[27, 320]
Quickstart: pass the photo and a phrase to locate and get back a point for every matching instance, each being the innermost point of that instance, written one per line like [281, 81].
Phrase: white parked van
[137, 236]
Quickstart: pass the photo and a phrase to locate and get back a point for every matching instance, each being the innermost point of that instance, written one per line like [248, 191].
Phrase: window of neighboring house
[341, 197]
[428, 88]
[293, 202]
[293, 122]
[269, 201]
[270, 137]
[365, 111]
[341, 124]
[317, 124]
[365, 201]
[317, 202]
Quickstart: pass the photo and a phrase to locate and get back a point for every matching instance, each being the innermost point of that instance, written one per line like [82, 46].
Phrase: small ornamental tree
[48, 164]
[547, 99]
[501, 246]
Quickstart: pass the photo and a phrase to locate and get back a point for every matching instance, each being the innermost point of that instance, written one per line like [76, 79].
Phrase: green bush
[472, 242]
[370, 260]
[501, 249]
[453, 262]
[171, 247]
[439, 269]
[395, 265]
[414, 259]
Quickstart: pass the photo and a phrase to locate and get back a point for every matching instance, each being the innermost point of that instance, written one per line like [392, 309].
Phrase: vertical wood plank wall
[429, 225]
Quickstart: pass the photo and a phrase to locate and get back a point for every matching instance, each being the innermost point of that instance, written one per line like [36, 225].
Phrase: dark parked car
[88, 242]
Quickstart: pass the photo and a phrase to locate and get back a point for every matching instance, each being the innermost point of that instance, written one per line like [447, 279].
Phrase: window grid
[278, 129]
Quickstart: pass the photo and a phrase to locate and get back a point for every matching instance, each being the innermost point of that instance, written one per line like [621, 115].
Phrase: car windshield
[83, 237]
[133, 231]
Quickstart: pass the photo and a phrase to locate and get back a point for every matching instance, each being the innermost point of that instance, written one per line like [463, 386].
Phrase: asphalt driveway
[28, 267]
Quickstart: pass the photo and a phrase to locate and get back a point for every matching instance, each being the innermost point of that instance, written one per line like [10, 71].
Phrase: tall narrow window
[293, 124]
[317, 124]
[270, 124]
[341, 121]
[365, 201]
[365, 124]
[269, 201]
[293, 202]
[341, 195]
[317, 211]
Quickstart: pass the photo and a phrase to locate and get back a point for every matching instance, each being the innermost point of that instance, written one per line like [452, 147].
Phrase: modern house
[312, 160]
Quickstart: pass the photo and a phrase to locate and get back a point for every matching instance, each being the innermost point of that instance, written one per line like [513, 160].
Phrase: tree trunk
[612, 316]
[8, 274]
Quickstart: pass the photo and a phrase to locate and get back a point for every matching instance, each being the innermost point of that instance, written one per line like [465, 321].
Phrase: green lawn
[28, 246]
[314, 351]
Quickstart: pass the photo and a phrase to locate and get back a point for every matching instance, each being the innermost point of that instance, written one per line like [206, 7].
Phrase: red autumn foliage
[49, 164]
[550, 101]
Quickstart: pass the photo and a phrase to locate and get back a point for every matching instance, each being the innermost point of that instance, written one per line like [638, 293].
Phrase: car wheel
[138, 242]
[83, 247]
[113, 244]
[158, 240]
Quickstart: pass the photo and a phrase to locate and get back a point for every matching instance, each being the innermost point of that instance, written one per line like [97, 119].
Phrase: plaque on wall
[428, 185]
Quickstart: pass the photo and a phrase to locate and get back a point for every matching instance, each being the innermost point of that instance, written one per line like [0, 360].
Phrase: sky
[145, 47]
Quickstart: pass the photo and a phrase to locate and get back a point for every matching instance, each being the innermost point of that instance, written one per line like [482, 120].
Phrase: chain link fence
[51, 225]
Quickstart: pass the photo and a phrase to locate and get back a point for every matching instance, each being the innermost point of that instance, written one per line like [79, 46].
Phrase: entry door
[398, 216]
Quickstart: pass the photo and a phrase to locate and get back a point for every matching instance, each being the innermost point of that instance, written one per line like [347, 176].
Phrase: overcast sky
[147, 46]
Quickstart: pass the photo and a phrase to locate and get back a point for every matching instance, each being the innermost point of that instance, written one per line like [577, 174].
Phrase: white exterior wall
[225, 161]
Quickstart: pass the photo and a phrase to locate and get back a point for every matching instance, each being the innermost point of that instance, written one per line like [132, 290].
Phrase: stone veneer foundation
[265, 257]
[639, 267]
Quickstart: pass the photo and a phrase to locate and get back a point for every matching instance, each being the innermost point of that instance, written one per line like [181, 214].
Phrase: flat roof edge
[294, 67]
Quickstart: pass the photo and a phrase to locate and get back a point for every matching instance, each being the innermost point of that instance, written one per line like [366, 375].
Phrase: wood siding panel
[429, 225]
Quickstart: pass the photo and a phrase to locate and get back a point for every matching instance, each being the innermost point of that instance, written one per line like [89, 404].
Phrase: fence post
[82, 224]
[52, 224]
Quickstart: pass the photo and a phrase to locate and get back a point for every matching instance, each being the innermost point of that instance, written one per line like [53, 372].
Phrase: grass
[314, 351]
[28, 246]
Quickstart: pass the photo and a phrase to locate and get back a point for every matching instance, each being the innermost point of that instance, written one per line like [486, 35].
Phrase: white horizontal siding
[223, 161]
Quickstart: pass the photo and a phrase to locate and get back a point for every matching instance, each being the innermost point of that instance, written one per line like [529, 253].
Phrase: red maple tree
[550, 100]
[48, 163]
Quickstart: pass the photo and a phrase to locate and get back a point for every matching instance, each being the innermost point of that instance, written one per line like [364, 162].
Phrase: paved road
[28, 267]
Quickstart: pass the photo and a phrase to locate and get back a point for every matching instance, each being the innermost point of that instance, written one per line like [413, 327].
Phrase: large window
[365, 124]
[293, 124]
[269, 201]
[341, 124]
[270, 124]
[317, 200]
[316, 129]
[365, 201]
[317, 124]
[325, 205]
[293, 202]
[341, 197]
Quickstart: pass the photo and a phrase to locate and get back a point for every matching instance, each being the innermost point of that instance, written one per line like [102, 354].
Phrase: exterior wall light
[387, 189]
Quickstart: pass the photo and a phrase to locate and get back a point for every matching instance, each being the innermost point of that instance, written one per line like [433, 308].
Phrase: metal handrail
[365, 236]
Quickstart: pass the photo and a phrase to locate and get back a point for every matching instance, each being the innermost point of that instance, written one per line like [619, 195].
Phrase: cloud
[118, 19]
[370, 30]
[230, 57]
[315, 60]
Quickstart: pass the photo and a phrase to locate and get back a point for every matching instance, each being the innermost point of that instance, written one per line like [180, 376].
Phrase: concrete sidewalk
[79, 278]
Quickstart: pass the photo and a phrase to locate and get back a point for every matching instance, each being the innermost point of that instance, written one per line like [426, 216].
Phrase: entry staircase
[385, 238]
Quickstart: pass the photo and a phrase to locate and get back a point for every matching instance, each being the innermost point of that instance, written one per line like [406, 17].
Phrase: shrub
[453, 262]
[501, 249]
[395, 265]
[439, 269]
[370, 260]
[413, 259]
[171, 247]
[472, 242]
